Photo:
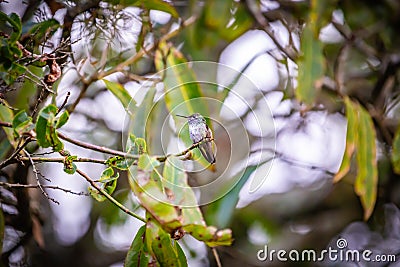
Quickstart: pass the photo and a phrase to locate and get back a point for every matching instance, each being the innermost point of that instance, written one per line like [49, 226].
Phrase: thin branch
[22, 186]
[109, 197]
[95, 147]
[144, 51]
[36, 173]
[121, 66]
[64, 103]
[216, 256]
[5, 124]
[56, 160]
[184, 152]
[15, 153]
[295, 162]
[360, 44]
[255, 10]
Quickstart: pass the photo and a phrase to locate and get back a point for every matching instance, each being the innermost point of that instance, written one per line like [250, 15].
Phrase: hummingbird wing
[206, 148]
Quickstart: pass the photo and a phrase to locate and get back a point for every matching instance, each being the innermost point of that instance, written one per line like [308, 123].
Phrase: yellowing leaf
[360, 141]
[351, 138]
[367, 177]
[120, 92]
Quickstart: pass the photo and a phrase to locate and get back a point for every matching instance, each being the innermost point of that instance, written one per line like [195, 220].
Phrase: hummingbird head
[195, 117]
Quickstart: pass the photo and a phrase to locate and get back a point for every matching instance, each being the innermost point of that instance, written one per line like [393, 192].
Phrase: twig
[113, 200]
[21, 186]
[216, 256]
[143, 51]
[55, 160]
[121, 66]
[95, 147]
[360, 44]
[64, 103]
[295, 162]
[184, 152]
[15, 153]
[36, 173]
[253, 8]
[5, 124]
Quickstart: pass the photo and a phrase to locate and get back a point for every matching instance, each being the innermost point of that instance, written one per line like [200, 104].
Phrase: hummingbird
[199, 130]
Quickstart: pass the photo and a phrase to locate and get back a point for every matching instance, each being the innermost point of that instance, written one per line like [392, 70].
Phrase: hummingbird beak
[182, 116]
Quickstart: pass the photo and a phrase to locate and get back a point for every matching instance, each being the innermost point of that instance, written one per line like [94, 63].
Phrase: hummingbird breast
[197, 131]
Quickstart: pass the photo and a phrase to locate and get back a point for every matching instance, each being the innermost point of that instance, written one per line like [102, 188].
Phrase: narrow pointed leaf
[62, 119]
[367, 177]
[6, 115]
[310, 66]
[351, 138]
[137, 255]
[120, 92]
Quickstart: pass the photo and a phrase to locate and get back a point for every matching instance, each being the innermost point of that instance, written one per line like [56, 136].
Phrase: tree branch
[95, 147]
[110, 198]
[22, 186]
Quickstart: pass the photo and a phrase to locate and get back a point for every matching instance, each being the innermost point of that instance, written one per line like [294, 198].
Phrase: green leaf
[221, 211]
[210, 235]
[183, 94]
[137, 255]
[120, 163]
[166, 251]
[106, 174]
[147, 163]
[153, 199]
[140, 117]
[21, 123]
[6, 115]
[135, 146]
[311, 67]
[21, 119]
[46, 134]
[120, 92]
[69, 165]
[160, 5]
[351, 139]
[96, 194]
[42, 30]
[15, 21]
[62, 119]
[180, 193]
[108, 180]
[395, 156]
[5, 147]
[45, 117]
[367, 177]
[181, 255]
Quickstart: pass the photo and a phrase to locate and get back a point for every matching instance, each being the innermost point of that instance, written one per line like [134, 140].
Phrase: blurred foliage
[333, 57]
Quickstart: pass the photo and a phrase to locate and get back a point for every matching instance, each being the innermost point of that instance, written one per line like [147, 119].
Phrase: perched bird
[199, 130]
